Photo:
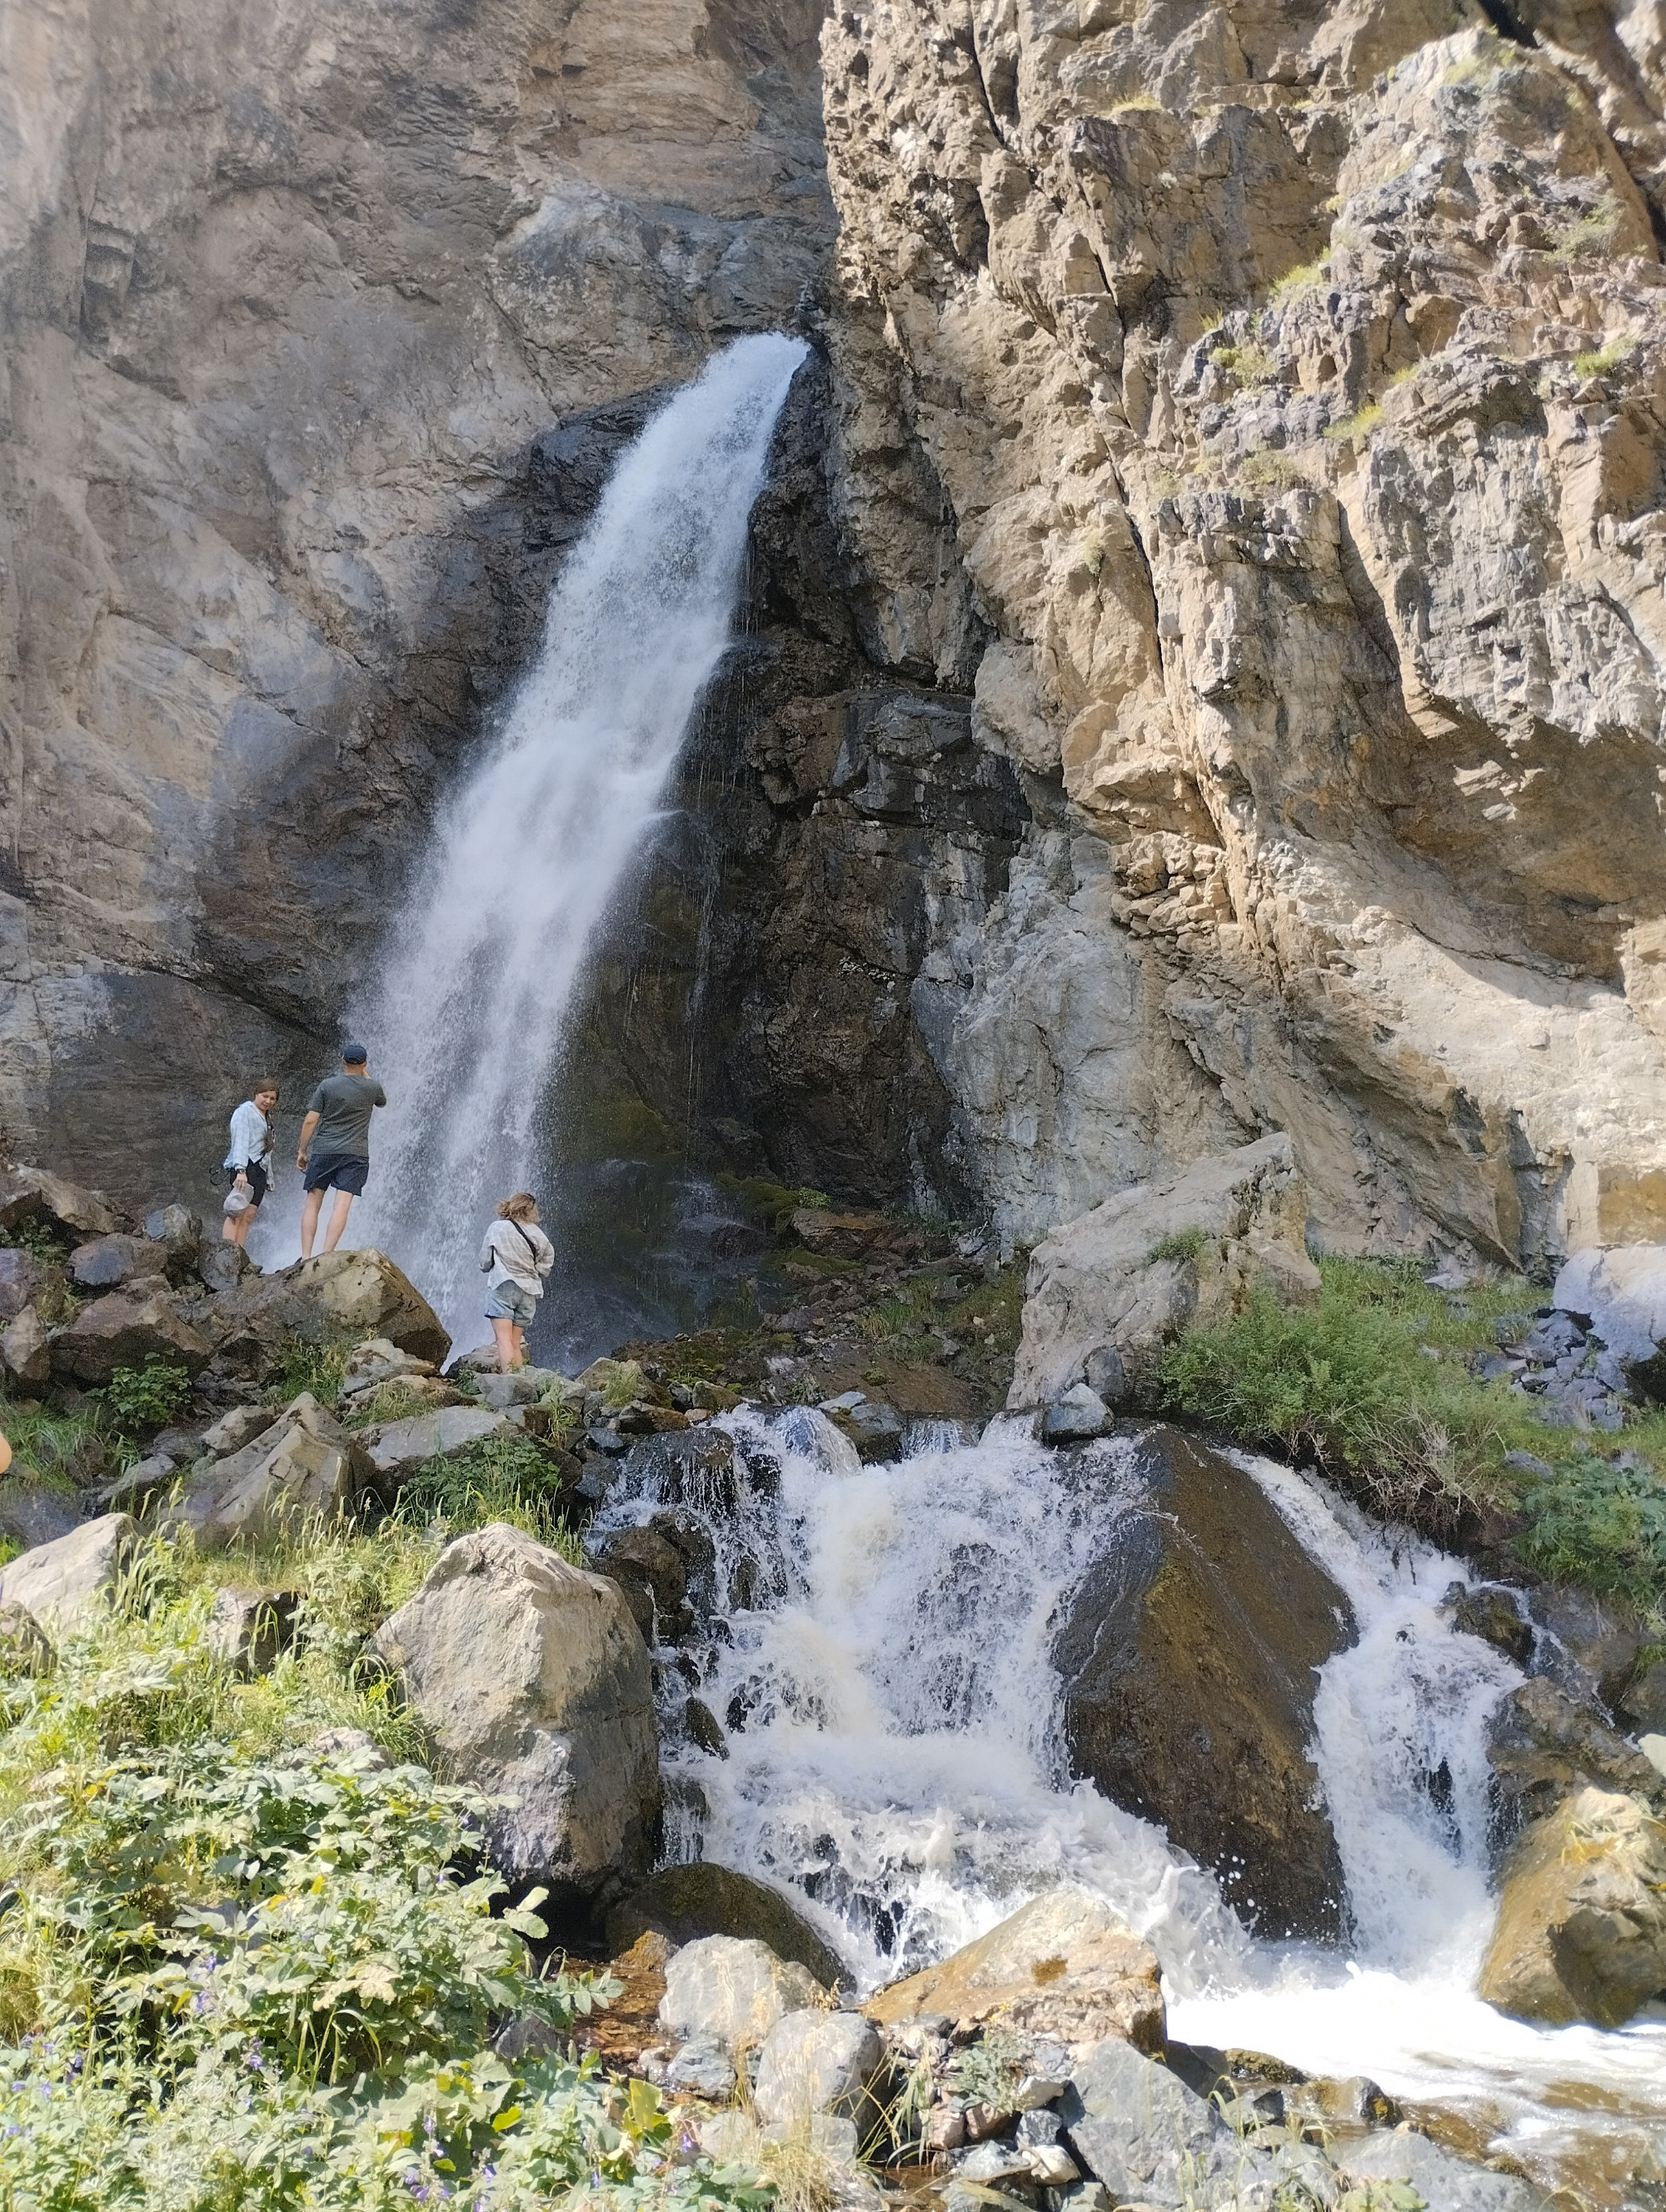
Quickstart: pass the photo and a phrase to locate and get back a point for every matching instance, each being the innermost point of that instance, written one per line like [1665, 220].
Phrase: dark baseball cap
[353, 1052]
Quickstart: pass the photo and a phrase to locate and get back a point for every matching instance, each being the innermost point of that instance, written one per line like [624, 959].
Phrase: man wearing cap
[336, 1137]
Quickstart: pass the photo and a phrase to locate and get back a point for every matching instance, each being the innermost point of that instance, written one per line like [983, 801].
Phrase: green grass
[320, 1369]
[1357, 426]
[1605, 357]
[243, 1973]
[1371, 1384]
[1592, 231]
[1183, 1244]
[507, 1477]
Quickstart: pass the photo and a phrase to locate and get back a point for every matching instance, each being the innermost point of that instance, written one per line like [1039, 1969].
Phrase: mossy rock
[686, 1902]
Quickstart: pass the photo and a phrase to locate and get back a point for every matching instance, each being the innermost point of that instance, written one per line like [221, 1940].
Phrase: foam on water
[897, 1760]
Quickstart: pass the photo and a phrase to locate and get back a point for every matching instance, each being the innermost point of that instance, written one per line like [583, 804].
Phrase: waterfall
[465, 1018]
[895, 1761]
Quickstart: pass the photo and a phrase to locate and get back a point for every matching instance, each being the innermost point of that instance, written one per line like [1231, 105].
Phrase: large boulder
[1622, 1289]
[125, 1329]
[304, 1467]
[33, 1512]
[398, 1449]
[1189, 1659]
[683, 1903]
[1137, 2128]
[63, 1586]
[732, 1989]
[817, 2062]
[694, 1468]
[1064, 1966]
[1544, 1745]
[1581, 1931]
[31, 1195]
[339, 1298]
[533, 1683]
[1108, 1291]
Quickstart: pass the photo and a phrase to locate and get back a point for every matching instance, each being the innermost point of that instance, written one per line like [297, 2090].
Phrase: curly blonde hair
[521, 1207]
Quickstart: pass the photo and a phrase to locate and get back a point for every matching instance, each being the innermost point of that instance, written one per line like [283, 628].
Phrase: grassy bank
[250, 1955]
[1372, 1384]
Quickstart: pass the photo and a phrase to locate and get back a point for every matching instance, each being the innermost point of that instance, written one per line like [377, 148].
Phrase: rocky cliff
[1226, 696]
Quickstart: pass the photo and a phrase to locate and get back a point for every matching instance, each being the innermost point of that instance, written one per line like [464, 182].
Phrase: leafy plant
[140, 1399]
[1591, 232]
[1604, 1527]
[320, 1369]
[39, 1240]
[1605, 357]
[504, 1477]
[1357, 426]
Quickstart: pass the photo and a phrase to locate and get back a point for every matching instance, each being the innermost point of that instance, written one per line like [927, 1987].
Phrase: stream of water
[466, 1018]
[896, 1761]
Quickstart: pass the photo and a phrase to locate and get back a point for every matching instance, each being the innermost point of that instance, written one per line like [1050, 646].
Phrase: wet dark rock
[687, 1902]
[703, 1729]
[1589, 1645]
[644, 1560]
[1544, 1744]
[1080, 1415]
[875, 1428]
[1189, 1661]
[1493, 1614]
[1643, 1701]
[688, 1467]
[221, 1266]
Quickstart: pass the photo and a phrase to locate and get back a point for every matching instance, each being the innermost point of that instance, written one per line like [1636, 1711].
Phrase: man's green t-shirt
[343, 1104]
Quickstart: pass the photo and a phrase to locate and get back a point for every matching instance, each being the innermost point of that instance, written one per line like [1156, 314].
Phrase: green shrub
[1603, 1526]
[1183, 1244]
[317, 1367]
[506, 1477]
[141, 1399]
[39, 1240]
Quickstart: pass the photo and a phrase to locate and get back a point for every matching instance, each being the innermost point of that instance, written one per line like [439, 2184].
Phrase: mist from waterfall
[466, 1019]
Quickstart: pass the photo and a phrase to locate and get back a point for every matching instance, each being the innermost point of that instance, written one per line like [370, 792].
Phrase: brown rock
[1063, 1967]
[841, 1236]
[627, 2025]
[1189, 1661]
[32, 1194]
[124, 1330]
[26, 1351]
[645, 1561]
[339, 1298]
[1581, 1932]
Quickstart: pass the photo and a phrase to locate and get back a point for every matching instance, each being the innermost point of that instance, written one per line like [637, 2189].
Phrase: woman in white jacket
[516, 1257]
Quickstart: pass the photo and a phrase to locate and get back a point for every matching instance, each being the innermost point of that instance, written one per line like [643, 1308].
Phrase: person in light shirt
[247, 1163]
[516, 1257]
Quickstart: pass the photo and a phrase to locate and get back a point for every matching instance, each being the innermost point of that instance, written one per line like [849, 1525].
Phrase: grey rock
[177, 1230]
[703, 2065]
[1076, 1417]
[1444, 2181]
[1039, 2126]
[534, 1685]
[875, 1428]
[732, 1988]
[377, 1360]
[303, 1467]
[110, 1260]
[22, 1280]
[523, 1387]
[1137, 2128]
[398, 1449]
[25, 1349]
[250, 1629]
[993, 2162]
[1526, 1462]
[1492, 1613]
[222, 1267]
[64, 1585]
[25, 1648]
[31, 1193]
[235, 1428]
[33, 1512]
[817, 2062]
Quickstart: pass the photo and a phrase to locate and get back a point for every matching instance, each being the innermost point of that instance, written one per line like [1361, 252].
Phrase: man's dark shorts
[336, 1172]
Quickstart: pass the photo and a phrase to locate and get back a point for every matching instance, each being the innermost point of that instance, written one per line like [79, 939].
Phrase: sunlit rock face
[1292, 374]
[1240, 418]
[287, 291]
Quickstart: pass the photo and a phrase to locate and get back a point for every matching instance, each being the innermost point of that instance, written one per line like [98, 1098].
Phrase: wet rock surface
[684, 1903]
[1189, 1661]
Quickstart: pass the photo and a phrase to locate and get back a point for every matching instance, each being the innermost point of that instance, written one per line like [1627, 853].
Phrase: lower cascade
[877, 1727]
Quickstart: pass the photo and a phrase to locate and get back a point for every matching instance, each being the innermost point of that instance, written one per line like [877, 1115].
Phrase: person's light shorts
[506, 1301]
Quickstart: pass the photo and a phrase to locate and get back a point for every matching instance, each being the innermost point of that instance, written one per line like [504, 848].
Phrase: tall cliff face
[286, 293]
[1294, 373]
[1204, 658]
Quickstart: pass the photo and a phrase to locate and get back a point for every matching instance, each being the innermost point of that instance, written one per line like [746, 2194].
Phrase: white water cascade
[895, 1761]
[465, 1022]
